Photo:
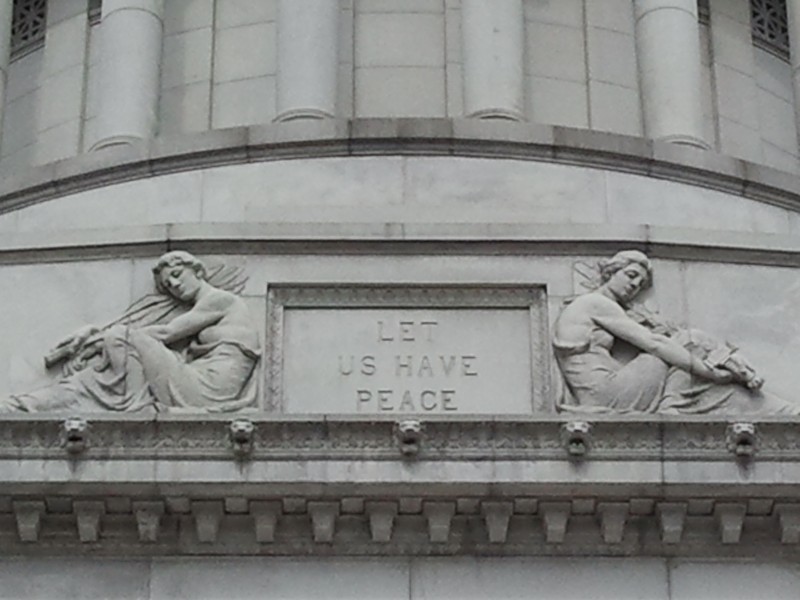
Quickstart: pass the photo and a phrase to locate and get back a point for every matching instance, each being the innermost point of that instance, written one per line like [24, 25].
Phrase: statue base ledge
[266, 485]
[577, 440]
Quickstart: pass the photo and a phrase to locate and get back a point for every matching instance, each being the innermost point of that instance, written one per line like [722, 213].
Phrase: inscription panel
[406, 351]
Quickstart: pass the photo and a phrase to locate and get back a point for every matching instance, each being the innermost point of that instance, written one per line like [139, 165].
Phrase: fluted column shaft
[793, 10]
[668, 48]
[493, 47]
[131, 41]
[308, 59]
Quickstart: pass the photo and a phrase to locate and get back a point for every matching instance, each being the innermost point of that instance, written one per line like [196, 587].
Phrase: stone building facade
[404, 195]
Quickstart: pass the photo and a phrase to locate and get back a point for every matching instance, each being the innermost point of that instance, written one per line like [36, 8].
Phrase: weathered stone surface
[672, 519]
[323, 520]
[673, 369]
[88, 516]
[131, 363]
[207, 518]
[381, 520]
[497, 516]
[265, 515]
[439, 516]
[555, 518]
[427, 358]
[148, 516]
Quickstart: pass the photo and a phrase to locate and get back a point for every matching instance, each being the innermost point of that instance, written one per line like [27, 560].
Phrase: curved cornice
[400, 238]
[374, 137]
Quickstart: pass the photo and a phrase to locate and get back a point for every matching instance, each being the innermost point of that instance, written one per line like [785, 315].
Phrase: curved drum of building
[297, 294]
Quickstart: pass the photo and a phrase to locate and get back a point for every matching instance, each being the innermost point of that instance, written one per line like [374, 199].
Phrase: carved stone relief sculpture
[191, 346]
[675, 370]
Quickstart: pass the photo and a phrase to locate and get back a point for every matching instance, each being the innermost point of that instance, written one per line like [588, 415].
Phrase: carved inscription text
[415, 363]
[407, 361]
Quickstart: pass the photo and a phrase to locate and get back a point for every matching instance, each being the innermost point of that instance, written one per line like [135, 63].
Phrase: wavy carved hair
[622, 259]
[177, 258]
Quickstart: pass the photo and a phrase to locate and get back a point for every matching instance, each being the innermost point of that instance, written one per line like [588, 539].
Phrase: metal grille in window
[95, 8]
[702, 11]
[769, 21]
[28, 25]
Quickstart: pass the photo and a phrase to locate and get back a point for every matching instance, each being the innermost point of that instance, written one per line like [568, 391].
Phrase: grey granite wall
[396, 579]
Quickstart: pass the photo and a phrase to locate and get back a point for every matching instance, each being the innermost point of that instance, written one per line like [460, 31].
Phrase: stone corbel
[28, 515]
[497, 516]
[613, 516]
[323, 520]
[555, 518]
[265, 516]
[148, 519]
[671, 520]
[730, 519]
[207, 519]
[88, 515]
[381, 520]
[440, 516]
[789, 521]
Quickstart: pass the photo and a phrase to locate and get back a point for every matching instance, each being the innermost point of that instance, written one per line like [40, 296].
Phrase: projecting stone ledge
[368, 137]
[635, 440]
[448, 526]
[343, 486]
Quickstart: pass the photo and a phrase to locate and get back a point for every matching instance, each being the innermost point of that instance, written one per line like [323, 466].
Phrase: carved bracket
[377, 525]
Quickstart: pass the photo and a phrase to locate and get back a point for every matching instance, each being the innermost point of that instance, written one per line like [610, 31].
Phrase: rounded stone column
[493, 34]
[130, 60]
[793, 13]
[668, 49]
[308, 59]
[6, 15]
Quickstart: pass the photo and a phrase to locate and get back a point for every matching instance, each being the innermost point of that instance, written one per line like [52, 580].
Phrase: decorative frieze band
[441, 439]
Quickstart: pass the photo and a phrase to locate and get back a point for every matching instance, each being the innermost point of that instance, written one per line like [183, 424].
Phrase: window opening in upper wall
[770, 25]
[703, 11]
[95, 11]
[28, 26]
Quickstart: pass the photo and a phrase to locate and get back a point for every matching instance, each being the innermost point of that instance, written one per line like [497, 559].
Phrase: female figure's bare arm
[611, 317]
[208, 311]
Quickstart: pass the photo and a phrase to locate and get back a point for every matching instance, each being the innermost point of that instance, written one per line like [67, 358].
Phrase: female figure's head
[626, 274]
[179, 274]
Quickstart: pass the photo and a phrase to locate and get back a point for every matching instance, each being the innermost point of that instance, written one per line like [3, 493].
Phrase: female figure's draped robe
[133, 372]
